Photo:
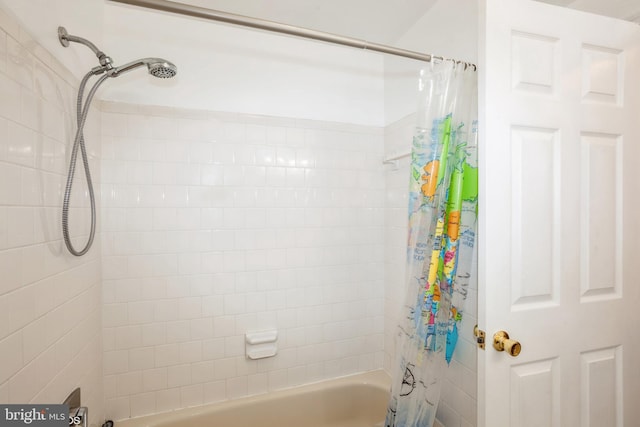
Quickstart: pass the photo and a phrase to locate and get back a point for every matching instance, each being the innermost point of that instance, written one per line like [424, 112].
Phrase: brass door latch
[480, 337]
[501, 342]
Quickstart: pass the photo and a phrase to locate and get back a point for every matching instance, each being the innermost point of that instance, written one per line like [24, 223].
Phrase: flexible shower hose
[82, 112]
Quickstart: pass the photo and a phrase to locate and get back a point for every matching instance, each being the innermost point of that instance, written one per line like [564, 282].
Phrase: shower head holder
[62, 36]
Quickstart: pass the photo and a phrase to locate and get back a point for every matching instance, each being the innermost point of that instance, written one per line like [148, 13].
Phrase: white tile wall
[458, 401]
[217, 224]
[50, 324]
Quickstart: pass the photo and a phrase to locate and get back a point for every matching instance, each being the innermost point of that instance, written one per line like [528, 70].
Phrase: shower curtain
[442, 222]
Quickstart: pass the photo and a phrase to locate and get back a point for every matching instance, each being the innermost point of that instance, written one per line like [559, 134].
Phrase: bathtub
[354, 401]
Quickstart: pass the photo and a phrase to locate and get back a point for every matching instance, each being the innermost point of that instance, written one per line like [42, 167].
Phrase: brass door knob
[501, 342]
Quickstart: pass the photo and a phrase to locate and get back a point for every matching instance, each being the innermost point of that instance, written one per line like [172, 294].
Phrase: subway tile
[21, 310]
[295, 137]
[189, 308]
[45, 83]
[116, 362]
[177, 151]
[265, 155]
[21, 148]
[141, 358]
[234, 261]
[164, 128]
[114, 124]
[237, 387]
[11, 267]
[139, 126]
[200, 153]
[178, 331]
[20, 63]
[201, 329]
[33, 263]
[29, 107]
[118, 408]
[189, 129]
[225, 368]
[53, 124]
[143, 404]
[167, 355]
[127, 337]
[244, 155]
[202, 372]
[12, 349]
[20, 226]
[213, 305]
[128, 383]
[285, 156]
[222, 154]
[233, 175]
[256, 134]
[245, 198]
[140, 173]
[109, 389]
[167, 400]
[3, 51]
[200, 285]
[154, 379]
[188, 174]
[276, 177]
[178, 375]
[192, 395]
[223, 326]
[154, 334]
[212, 175]
[276, 135]
[277, 379]
[214, 391]
[191, 352]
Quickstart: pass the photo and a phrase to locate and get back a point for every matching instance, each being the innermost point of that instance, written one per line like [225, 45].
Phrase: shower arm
[105, 61]
[277, 27]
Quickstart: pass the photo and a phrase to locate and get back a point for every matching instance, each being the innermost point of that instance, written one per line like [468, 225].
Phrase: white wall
[448, 29]
[50, 323]
[215, 224]
[41, 19]
[233, 69]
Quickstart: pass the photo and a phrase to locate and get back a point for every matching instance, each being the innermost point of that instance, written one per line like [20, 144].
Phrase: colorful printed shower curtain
[442, 223]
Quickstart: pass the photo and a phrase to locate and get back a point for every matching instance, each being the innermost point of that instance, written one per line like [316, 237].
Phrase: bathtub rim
[378, 379]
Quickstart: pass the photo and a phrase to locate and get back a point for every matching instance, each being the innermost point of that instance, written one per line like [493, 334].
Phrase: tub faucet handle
[79, 416]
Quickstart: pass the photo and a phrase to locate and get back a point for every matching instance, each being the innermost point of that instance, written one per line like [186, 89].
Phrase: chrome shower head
[162, 69]
[157, 67]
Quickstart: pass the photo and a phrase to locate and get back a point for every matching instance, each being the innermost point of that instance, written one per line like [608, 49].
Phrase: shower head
[162, 69]
[157, 67]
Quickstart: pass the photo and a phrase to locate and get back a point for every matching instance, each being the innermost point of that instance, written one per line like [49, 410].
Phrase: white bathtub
[354, 401]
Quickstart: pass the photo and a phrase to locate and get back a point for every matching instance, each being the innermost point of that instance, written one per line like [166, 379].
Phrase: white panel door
[559, 258]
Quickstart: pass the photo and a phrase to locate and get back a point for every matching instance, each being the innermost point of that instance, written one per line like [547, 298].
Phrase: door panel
[559, 255]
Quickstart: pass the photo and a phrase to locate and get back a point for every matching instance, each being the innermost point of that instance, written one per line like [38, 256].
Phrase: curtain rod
[231, 18]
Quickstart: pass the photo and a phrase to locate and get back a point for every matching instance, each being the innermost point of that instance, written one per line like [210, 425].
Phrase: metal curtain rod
[231, 18]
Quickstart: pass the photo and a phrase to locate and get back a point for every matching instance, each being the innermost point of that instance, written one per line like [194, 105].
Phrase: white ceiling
[381, 21]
